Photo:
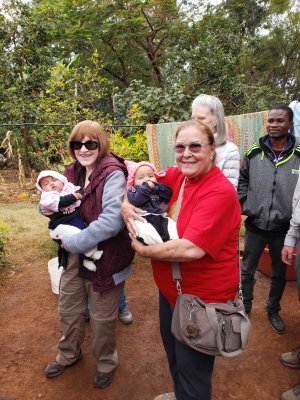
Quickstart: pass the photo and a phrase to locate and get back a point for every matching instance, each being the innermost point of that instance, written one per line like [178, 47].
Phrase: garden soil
[29, 330]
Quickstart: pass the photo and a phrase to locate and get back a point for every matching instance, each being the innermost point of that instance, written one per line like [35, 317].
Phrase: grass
[28, 237]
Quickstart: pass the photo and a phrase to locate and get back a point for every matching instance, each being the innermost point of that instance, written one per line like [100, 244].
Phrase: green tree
[277, 58]
[26, 57]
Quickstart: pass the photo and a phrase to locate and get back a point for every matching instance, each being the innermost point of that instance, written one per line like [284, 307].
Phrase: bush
[133, 147]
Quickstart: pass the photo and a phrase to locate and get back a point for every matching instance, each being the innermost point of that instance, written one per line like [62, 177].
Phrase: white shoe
[90, 265]
[97, 255]
[125, 316]
[166, 396]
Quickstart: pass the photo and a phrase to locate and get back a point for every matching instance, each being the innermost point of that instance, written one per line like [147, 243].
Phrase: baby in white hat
[60, 201]
[151, 196]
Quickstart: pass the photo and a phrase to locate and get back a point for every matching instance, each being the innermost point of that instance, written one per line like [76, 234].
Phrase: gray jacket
[293, 234]
[267, 182]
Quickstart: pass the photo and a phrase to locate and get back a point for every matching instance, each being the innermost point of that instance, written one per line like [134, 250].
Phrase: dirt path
[29, 329]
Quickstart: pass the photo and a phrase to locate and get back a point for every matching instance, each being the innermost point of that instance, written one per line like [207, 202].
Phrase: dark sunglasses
[89, 145]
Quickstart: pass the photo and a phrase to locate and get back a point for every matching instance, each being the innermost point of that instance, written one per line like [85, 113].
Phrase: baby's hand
[151, 184]
[78, 195]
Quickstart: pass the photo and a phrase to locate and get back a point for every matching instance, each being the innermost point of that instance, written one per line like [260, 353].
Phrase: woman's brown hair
[94, 131]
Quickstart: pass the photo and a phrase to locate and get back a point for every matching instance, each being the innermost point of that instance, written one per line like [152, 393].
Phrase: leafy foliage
[133, 146]
[157, 104]
[68, 60]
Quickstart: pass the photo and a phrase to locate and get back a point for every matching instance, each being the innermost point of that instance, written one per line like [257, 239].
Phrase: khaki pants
[73, 295]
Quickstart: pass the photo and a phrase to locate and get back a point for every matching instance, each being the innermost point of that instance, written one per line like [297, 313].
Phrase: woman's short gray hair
[216, 108]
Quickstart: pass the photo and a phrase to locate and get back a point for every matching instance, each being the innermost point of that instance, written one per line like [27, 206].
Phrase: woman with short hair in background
[209, 110]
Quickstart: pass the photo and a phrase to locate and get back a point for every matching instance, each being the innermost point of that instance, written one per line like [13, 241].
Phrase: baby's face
[144, 174]
[48, 184]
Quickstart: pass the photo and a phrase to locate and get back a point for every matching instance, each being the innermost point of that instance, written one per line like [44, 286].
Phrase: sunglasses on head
[194, 148]
[89, 145]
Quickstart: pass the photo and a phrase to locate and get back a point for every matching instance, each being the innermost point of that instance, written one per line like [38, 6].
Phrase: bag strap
[178, 202]
[240, 292]
[175, 265]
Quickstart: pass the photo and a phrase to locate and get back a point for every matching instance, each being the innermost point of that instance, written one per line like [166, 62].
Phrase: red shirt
[209, 218]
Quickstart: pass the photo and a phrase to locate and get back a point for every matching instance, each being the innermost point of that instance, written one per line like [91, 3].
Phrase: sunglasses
[193, 148]
[89, 145]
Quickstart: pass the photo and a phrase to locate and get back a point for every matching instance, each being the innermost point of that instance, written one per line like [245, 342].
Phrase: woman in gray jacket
[209, 110]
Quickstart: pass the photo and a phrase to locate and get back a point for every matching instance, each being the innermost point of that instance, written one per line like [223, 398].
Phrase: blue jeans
[122, 303]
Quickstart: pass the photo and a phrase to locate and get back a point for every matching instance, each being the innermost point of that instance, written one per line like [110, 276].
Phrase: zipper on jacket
[273, 190]
[286, 159]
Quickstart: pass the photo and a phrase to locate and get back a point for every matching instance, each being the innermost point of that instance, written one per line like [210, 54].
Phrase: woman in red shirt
[208, 227]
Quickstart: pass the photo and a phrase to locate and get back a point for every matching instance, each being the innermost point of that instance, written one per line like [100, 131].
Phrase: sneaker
[103, 379]
[276, 322]
[55, 368]
[125, 316]
[166, 396]
[291, 359]
[293, 394]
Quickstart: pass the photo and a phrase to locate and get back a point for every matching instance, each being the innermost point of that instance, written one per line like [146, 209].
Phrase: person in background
[208, 228]
[292, 359]
[103, 177]
[266, 185]
[295, 129]
[209, 110]
[124, 315]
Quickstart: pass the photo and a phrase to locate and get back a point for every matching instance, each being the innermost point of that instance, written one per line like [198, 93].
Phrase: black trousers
[191, 371]
[254, 246]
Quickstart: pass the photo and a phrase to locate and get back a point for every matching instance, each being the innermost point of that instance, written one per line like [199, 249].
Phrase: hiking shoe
[125, 316]
[103, 379]
[293, 394]
[291, 359]
[276, 322]
[166, 396]
[55, 369]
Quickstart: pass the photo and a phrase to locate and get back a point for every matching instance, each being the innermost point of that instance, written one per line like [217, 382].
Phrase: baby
[60, 202]
[146, 193]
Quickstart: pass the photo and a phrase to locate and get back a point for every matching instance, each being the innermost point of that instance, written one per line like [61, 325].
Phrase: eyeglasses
[89, 145]
[194, 148]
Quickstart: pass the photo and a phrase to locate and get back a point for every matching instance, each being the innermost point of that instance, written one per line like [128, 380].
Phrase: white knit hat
[54, 174]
